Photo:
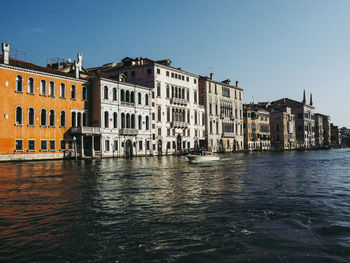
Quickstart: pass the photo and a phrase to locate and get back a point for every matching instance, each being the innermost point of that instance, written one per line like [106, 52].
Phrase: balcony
[222, 115]
[179, 101]
[228, 135]
[128, 131]
[232, 117]
[86, 130]
[179, 124]
[124, 103]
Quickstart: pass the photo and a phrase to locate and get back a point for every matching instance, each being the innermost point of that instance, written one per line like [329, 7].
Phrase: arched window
[127, 120]
[84, 119]
[52, 118]
[132, 121]
[19, 83]
[123, 120]
[73, 92]
[132, 97]
[188, 95]
[167, 91]
[127, 96]
[31, 117]
[79, 119]
[84, 93]
[146, 99]
[140, 122]
[195, 97]
[114, 94]
[52, 89]
[115, 117]
[62, 90]
[19, 116]
[63, 119]
[168, 114]
[106, 119]
[74, 119]
[122, 95]
[139, 98]
[43, 117]
[105, 93]
[147, 123]
[42, 86]
[31, 86]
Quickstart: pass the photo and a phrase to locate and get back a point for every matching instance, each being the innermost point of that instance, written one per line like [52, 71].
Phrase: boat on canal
[201, 156]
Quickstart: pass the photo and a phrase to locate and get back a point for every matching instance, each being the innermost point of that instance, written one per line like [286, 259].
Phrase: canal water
[257, 207]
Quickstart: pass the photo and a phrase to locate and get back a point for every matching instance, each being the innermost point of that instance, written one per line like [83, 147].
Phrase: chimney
[5, 53]
[76, 67]
[80, 61]
[211, 75]
[237, 83]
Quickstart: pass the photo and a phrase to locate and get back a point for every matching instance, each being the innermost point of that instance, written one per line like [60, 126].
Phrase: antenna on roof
[15, 53]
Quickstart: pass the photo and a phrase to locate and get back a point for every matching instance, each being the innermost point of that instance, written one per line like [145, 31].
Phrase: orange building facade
[37, 109]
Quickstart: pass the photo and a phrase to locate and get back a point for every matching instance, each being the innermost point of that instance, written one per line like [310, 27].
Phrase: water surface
[258, 207]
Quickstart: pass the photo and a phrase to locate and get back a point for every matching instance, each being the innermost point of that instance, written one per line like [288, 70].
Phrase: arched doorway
[160, 148]
[128, 149]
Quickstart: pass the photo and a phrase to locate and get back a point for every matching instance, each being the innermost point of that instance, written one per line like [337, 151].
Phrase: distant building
[223, 114]
[335, 136]
[256, 126]
[345, 136]
[282, 128]
[322, 130]
[304, 120]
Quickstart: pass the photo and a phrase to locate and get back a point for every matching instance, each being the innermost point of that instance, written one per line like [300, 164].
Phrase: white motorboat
[202, 157]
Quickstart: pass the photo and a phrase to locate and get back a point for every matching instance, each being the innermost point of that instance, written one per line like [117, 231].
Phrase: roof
[27, 65]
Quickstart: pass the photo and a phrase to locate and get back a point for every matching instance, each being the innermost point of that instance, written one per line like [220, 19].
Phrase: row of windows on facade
[125, 96]
[176, 92]
[175, 75]
[225, 110]
[51, 91]
[127, 121]
[225, 91]
[78, 119]
[45, 145]
[226, 127]
[184, 132]
[178, 115]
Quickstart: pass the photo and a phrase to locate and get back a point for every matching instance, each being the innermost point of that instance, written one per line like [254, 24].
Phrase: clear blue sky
[275, 49]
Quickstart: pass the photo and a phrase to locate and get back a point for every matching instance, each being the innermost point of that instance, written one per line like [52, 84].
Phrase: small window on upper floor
[42, 87]
[73, 92]
[158, 71]
[195, 81]
[19, 84]
[149, 71]
[31, 86]
[167, 73]
[52, 89]
[84, 95]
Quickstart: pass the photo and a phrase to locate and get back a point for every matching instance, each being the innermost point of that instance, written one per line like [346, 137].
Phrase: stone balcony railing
[228, 135]
[178, 101]
[86, 130]
[128, 131]
[124, 103]
[179, 124]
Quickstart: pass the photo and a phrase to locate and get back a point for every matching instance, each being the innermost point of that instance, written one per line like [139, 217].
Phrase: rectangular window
[31, 145]
[168, 145]
[154, 147]
[172, 74]
[147, 145]
[149, 71]
[158, 71]
[43, 145]
[195, 81]
[187, 79]
[19, 146]
[140, 145]
[62, 145]
[116, 145]
[167, 73]
[52, 145]
[106, 145]
[159, 131]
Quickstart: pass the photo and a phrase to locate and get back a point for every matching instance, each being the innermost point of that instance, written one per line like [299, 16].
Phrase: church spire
[311, 99]
[304, 98]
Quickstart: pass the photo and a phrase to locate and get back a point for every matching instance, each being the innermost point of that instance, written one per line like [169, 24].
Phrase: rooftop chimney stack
[5, 53]
[211, 75]
[311, 103]
[304, 98]
[76, 66]
[236, 83]
[80, 61]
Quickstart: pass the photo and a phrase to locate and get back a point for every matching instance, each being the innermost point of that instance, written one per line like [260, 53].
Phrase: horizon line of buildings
[141, 107]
